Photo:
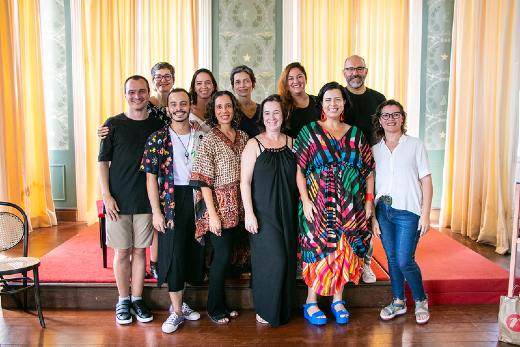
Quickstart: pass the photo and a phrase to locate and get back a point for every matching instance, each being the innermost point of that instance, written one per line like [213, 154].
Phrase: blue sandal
[314, 318]
[338, 314]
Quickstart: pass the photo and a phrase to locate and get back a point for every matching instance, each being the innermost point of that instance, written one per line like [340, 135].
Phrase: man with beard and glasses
[167, 161]
[364, 100]
[127, 209]
[364, 103]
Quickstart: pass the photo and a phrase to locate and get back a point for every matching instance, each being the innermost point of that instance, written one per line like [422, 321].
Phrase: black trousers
[222, 247]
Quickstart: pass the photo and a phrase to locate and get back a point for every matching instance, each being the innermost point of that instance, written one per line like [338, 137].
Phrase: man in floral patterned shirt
[167, 161]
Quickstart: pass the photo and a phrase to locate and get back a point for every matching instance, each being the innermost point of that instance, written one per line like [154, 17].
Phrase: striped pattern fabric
[336, 170]
[327, 276]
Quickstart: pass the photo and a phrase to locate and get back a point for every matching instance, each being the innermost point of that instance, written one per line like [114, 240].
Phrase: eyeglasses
[394, 115]
[352, 69]
[158, 78]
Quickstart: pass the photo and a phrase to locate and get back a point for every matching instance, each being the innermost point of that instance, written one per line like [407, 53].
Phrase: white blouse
[398, 173]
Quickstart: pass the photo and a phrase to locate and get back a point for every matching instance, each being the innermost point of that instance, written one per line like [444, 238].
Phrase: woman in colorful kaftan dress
[336, 185]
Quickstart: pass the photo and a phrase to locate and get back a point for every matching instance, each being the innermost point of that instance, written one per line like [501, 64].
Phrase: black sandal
[229, 312]
[218, 317]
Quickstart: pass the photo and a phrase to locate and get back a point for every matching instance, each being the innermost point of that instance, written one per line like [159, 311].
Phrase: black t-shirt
[300, 117]
[124, 147]
[249, 125]
[363, 107]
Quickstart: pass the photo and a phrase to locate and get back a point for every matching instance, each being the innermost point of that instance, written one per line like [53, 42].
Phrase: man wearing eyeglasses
[364, 104]
[364, 100]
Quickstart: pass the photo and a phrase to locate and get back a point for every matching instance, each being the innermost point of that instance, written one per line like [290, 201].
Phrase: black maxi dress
[273, 248]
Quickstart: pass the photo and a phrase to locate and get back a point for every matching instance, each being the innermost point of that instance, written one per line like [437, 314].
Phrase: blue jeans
[400, 235]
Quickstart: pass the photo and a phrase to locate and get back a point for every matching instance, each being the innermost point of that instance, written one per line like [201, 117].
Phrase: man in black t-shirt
[364, 104]
[127, 208]
[364, 100]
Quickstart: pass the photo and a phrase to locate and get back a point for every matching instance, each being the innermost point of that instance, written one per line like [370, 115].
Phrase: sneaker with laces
[172, 323]
[368, 275]
[187, 312]
[141, 311]
[123, 315]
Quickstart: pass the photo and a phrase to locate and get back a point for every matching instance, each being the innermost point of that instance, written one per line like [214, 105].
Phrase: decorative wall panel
[54, 60]
[247, 36]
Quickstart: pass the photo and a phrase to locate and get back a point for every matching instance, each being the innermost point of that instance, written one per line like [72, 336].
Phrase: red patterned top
[217, 166]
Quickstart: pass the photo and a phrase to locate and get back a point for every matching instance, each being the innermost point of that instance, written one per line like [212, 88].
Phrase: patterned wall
[247, 36]
[54, 60]
[438, 51]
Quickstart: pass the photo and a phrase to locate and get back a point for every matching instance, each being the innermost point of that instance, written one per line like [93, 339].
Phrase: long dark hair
[379, 132]
[193, 94]
[211, 117]
[332, 86]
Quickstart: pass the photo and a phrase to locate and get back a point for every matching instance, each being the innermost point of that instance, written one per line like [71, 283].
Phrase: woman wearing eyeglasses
[403, 200]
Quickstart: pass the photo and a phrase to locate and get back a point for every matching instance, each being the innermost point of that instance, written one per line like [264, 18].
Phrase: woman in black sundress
[270, 198]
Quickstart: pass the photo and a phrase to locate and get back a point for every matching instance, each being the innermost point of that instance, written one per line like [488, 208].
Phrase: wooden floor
[449, 325]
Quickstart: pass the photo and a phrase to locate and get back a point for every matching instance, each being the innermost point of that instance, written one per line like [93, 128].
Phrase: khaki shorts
[130, 230]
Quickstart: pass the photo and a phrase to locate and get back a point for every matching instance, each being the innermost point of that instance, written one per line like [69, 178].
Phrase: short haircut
[211, 117]
[242, 68]
[272, 98]
[137, 78]
[379, 132]
[163, 65]
[178, 90]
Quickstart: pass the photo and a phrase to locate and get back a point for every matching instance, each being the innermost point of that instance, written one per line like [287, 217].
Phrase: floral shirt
[158, 160]
[159, 113]
[217, 166]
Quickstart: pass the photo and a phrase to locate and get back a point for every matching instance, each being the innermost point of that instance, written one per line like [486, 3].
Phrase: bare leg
[153, 247]
[138, 268]
[312, 297]
[339, 307]
[122, 270]
[176, 299]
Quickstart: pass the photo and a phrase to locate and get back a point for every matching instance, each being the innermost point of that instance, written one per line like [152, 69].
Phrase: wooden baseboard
[67, 214]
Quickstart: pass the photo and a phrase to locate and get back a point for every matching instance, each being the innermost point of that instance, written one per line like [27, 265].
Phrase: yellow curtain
[377, 30]
[382, 38]
[24, 159]
[327, 39]
[121, 38]
[482, 122]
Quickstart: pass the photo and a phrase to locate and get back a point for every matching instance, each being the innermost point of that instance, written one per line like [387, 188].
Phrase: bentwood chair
[14, 228]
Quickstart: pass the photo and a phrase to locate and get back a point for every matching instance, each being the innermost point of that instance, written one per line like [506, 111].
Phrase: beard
[180, 120]
[355, 84]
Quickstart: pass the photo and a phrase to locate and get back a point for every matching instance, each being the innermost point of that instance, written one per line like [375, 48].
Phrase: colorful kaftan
[336, 171]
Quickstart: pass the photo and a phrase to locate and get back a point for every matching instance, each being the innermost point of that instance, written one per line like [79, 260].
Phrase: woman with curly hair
[300, 105]
[216, 171]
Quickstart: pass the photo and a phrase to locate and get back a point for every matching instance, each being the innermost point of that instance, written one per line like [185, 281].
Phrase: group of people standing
[297, 172]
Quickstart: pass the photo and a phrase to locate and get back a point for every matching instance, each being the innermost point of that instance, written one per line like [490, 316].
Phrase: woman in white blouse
[403, 201]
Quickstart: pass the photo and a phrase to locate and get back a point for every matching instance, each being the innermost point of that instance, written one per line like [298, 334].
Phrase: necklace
[186, 153]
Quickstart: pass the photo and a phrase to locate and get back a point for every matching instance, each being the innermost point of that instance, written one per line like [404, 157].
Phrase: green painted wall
[57, 76]
[436, 52]
[248, 33]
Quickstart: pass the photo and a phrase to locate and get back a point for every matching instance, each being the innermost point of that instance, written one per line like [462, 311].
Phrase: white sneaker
[368, 275]
[187, 312]
[172, 323]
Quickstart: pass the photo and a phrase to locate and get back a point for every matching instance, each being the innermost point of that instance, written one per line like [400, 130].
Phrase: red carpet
[452, 273]
[79, 260]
